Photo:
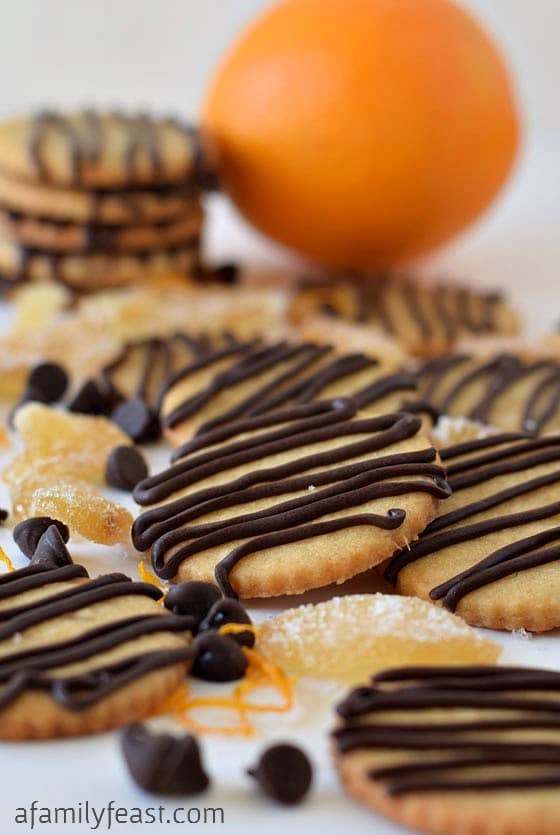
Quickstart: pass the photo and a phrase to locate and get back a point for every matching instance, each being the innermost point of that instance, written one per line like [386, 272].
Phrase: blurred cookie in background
[425, 318]
[98, 199]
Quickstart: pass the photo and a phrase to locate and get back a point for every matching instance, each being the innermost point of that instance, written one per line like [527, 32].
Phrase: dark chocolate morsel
[125, 467]
[284, 773]
[49, 379]
[193, 598]
[163, 763]
[3, 515]
[32, 394]
[137, 419]
[90, 400]
[51, 551]
[218, 658]
[28, 533]
[228, 610]
[227, 273]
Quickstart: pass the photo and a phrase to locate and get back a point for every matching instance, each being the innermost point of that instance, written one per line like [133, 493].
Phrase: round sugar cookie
[427, 318]
[350, 337]
[109, 207]
[98, 149]
[493, 553]
[462, 750]
[511, 392]
[92, 270]
[81, 655]
[141, 368]
[253, 378]
[291, 500]
[64, 237]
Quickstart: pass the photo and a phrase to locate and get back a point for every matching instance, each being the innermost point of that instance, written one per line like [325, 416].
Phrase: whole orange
[361, 132]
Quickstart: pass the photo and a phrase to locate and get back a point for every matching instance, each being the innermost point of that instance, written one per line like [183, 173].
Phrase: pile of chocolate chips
[48, 382]
[43, 540]
[216, 657]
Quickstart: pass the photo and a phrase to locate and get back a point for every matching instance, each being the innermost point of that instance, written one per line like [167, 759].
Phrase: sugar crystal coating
[59, 470]
[348, 638]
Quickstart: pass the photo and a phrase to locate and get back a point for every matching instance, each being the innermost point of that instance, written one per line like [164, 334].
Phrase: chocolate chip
[193, 598]
[90, 400]
[162, 763]
[228, 610]
[28, 533]
[125, 468]
[31, 394]
[227, 273]
[218, 658]
[3, 515]
[49, 379]
[284, 773]
[51, 551]
[137, 419]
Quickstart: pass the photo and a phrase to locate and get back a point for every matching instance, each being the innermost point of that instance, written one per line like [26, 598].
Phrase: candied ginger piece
[142, 312]
[59, 470]
[349, 638]
[26, 470]
[81, 507]
[36, 305]
[77, 444]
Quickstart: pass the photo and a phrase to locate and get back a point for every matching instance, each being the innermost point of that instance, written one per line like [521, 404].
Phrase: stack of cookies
[97, 200]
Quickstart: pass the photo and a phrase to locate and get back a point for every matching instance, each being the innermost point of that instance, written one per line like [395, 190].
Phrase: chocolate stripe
[478, 463]
[497, 376]
[22, 670]
[273, 376]
[346, 486]
[494, 743]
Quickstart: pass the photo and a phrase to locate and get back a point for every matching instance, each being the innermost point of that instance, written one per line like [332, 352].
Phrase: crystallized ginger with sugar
[349, 638]
[60, 469]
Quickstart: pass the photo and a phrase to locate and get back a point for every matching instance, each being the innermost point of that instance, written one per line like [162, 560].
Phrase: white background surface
[159, 54]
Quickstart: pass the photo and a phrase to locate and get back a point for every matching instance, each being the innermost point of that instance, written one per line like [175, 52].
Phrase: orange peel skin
[4, 558]
[148, 576]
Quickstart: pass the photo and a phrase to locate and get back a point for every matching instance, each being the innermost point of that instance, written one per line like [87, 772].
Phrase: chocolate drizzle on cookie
[64, 267]
[538, 383]
[170, 201]
[152, 363]
[495, 728]
[41, 666]
[284, 373]
[347, 474]
[84, 138]
[67, 238]
[405, 308]
[475, 463]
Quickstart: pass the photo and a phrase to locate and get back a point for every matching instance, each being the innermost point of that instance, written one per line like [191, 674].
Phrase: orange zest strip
[4, 558]
[149, 577]
[181, 703]
[263, 673]
[260, 673]
[236, 628]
